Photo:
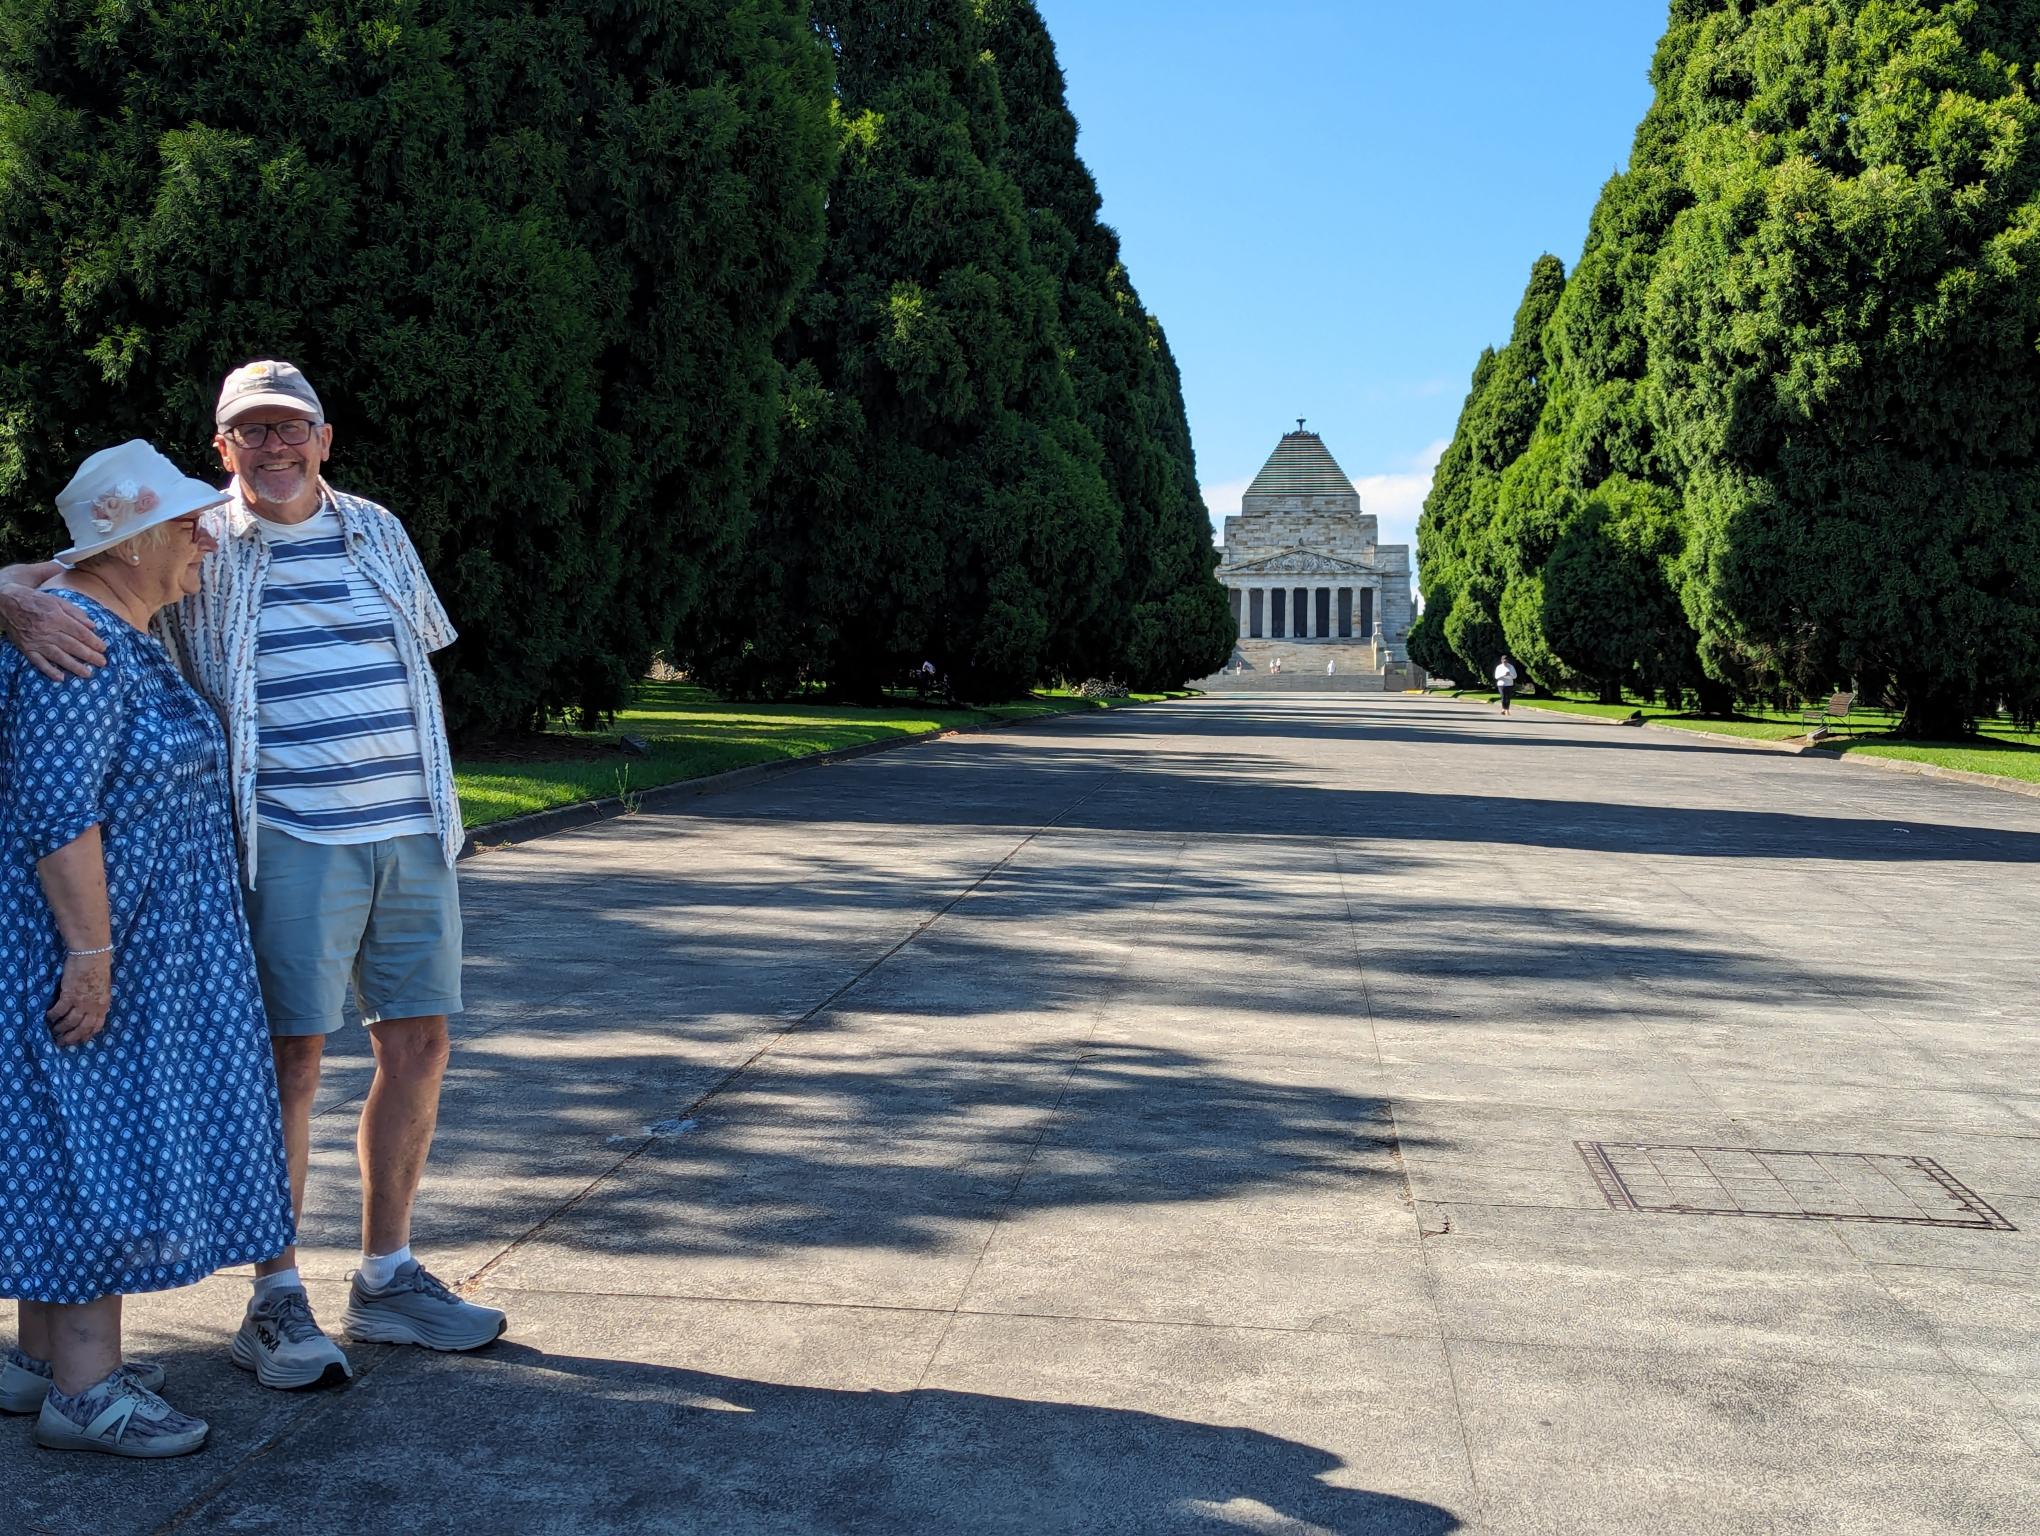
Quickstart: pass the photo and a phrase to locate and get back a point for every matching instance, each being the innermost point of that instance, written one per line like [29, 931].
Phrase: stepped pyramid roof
[1301, 465]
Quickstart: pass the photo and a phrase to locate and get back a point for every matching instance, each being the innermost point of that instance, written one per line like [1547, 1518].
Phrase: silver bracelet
[81, 954]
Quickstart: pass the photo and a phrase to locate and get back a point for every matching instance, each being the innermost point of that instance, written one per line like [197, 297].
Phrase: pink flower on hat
[119, 502]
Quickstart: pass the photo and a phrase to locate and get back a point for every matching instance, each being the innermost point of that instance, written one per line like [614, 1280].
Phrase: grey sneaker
[25, 1381]
[283, 1344]
[117, 1418]
[415, 1308]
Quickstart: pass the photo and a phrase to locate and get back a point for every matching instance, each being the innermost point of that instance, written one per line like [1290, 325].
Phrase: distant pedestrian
[1331, 666]
[1276, 669]
[1505, 679]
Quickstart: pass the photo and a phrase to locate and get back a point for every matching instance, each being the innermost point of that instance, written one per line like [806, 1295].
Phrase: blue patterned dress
[152, 1154]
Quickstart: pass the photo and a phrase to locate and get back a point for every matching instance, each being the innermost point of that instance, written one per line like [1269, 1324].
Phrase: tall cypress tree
[533, 255]
[1165, 617]
[1440, 532]
[1842, 345]
[1590, 519]
[941, 498]
[1458, 548]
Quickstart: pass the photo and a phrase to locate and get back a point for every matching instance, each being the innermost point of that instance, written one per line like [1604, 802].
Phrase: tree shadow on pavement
[881, 1151]
[1214, 774]
[1377, 725]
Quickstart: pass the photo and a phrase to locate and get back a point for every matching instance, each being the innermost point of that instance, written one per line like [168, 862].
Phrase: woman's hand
[82, 999]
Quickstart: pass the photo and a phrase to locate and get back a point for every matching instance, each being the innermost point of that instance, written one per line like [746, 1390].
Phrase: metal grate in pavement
[1673, 1179]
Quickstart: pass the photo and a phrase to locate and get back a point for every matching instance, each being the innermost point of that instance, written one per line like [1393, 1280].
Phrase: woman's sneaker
[415, 1308]
[117, 1418]
[283, 1344]
[25, 1381]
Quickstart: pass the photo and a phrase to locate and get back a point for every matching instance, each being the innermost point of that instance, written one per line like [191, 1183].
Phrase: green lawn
[2000, 749]
[2005, 755]
[692, 734]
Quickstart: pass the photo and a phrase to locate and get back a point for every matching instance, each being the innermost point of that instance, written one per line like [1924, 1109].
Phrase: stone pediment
[1299, 562]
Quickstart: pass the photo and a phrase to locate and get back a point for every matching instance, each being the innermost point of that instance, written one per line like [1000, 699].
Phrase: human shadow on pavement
[525, 1440]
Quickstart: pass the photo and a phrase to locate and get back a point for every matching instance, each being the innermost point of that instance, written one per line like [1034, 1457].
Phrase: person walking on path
[310, 633]
[140, 1146]
[1505, 679]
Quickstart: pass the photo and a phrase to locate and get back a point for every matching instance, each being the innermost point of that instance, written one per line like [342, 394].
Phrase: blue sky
[1333, 207]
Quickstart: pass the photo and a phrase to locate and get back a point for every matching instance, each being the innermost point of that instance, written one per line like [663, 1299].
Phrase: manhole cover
[1679, 1180]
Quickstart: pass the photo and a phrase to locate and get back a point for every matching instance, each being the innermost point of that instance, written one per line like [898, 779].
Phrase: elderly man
[310, 634]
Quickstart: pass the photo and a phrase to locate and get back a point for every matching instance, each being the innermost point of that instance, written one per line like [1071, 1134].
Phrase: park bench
[1819, 719]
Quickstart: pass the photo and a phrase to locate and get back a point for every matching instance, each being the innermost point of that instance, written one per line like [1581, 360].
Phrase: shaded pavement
[1172, 1120]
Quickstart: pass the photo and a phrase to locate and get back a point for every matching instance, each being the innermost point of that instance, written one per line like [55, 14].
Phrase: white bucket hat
[120, 492]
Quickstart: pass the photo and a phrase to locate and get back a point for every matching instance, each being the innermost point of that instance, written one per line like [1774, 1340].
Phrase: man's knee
[298, 1060]
[412, 1049]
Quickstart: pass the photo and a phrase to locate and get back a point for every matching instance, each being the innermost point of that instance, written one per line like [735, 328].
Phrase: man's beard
[254, 483]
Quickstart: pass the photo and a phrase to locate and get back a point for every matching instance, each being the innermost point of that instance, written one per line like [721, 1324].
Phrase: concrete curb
[1753, 743]
[582, 813]
[1826, 754]
[1931, 771]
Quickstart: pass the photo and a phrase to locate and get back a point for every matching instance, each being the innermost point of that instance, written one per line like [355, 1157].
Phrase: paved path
[1167, 1121]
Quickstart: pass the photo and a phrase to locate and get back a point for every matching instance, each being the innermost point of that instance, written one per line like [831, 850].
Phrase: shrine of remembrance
[1319, 604]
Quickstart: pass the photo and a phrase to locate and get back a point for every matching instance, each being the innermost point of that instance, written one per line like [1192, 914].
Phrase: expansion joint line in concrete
[1991, 1405]
[319, 1406]
[1359, 960]
[722, 1084]
[1758, 942]
[1048, 1121]
[751, 899]
[1437, 1329]
[1565, 922]
[1410, 1198]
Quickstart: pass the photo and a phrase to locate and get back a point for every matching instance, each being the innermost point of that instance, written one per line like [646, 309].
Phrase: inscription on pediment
[1299, 562]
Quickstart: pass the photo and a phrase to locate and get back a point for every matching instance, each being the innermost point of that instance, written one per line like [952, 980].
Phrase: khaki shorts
[383, 916]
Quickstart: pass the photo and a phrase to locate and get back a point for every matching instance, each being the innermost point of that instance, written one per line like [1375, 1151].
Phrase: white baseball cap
[120, 492]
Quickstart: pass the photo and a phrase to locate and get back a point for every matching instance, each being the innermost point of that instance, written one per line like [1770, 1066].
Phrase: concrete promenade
[1356, 1115]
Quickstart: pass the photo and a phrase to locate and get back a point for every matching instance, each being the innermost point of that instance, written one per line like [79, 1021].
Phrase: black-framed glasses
[292, 434]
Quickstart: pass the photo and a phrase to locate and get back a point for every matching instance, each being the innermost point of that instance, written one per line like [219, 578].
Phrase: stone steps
[1251, 669]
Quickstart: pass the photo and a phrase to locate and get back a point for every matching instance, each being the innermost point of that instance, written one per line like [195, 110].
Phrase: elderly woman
[140, 1145]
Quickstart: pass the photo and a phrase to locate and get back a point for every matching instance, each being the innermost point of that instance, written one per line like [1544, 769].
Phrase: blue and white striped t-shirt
[339, 758]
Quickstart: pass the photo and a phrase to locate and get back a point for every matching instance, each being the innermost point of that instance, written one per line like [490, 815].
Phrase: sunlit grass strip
[1999, 750]
[1993, 755]
[692, 735]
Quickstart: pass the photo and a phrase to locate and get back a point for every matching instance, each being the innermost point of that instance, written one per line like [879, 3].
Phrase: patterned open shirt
[213, 636]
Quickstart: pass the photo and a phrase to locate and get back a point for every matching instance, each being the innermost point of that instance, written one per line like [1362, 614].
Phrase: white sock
[267, 1286]
[379, 1269]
